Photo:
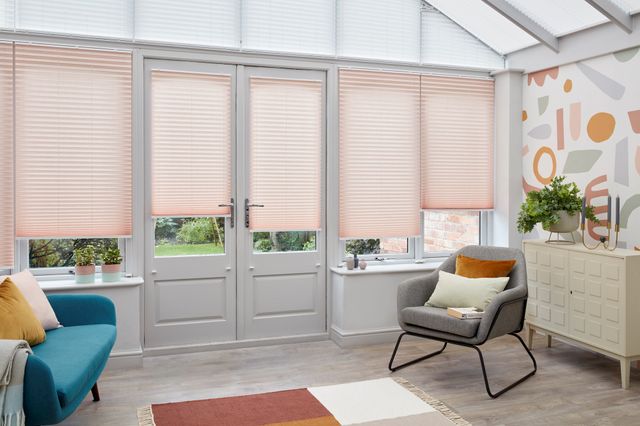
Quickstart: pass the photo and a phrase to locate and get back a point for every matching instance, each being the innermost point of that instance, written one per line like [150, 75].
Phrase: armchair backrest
[518, 275]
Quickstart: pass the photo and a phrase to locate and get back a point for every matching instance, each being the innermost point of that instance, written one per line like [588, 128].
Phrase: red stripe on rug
[247, 410]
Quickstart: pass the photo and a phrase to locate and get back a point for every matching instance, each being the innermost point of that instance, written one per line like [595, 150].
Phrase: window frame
[64, 272]
[416, 253]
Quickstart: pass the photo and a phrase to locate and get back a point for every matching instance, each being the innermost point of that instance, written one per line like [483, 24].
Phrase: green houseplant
[111, 264]
[85, 264]
[557, 207]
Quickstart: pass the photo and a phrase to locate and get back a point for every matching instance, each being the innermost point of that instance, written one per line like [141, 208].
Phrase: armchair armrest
[505, 314]
[83, 309]
[416, 291]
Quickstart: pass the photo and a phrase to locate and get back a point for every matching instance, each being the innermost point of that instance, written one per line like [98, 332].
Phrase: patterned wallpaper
[582, 120]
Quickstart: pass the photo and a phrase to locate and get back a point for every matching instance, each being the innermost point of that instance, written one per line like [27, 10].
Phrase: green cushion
[73, 354]
[455, 291]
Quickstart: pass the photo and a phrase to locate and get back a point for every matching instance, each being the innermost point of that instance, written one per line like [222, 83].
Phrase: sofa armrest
[83, 309]
[416, 291]
[505, 314]
[40, 398]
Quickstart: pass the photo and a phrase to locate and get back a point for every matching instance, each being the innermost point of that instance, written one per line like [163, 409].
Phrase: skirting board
[348, 339]
[205, 347]
[124, 360]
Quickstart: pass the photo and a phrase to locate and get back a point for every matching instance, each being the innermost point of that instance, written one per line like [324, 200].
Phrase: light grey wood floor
[572, 386]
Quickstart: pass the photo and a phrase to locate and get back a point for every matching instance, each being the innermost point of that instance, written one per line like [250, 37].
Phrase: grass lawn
[188, 249]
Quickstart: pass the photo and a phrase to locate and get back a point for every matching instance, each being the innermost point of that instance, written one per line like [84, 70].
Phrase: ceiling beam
[527, 24]
[614, 13]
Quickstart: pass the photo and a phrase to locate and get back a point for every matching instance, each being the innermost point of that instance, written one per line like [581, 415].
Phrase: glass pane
[448, 231]
[274, 242]
[189, 236]
[377, 246]
[58, 253]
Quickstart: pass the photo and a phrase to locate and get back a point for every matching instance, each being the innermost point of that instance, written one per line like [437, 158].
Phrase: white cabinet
[588, 297]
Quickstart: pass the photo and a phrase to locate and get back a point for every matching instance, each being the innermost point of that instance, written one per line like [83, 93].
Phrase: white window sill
[69, 284]
[427, 266]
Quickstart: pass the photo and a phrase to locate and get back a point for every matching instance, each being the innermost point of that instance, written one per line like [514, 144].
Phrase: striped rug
[380, 402]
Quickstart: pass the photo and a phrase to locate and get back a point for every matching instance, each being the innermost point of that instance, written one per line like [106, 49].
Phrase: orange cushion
[17, 320]
[478, 268]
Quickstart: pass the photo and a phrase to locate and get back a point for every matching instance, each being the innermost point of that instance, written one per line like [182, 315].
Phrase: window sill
[428, 266]
[71, 284]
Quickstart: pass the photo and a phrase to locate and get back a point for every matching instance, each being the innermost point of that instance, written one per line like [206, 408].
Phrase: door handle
[232, 206]
[247, 206]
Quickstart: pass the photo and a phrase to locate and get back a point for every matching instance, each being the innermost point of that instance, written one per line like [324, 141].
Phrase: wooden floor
[572, 386]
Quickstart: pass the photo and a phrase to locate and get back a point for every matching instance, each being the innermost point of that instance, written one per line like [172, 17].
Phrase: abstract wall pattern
[582, 120]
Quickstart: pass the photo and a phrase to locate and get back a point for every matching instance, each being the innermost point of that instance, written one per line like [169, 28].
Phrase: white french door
[190, 290]
[217, 273]
[281, 275]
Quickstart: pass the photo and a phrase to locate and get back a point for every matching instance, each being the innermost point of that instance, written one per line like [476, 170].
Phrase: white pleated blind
[379, 161]
[73, 142]
[191, 143]
[203, 22]
[6, 14]
[289, 25]
[379, 29]
[285, 151]
[6, 148]
[445, 42]
[457, 143]
[105, 18]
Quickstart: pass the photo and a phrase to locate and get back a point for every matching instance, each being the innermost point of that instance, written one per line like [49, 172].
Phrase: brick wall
[449, 231]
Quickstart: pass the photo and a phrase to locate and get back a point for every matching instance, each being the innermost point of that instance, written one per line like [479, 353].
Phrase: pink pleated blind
[379, 154]
[191, 143]
[73, 142]
[286, 123]
[6, 148]
[457, 143]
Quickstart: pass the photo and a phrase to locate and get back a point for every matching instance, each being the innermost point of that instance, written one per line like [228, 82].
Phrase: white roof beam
[523, 21]
[614, 13]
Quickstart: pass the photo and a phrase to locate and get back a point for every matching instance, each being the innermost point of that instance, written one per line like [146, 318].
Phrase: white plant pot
[568, 223]
[85, 274]
[111, 273]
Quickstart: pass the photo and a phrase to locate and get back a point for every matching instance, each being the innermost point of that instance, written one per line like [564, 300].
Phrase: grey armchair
[504, 315]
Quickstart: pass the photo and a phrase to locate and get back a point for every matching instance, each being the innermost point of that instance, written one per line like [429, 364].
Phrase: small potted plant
[85, 264]
[111, 264]
[557, 207]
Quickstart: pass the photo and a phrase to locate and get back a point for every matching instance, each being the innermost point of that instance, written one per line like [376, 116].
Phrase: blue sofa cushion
[74, 354]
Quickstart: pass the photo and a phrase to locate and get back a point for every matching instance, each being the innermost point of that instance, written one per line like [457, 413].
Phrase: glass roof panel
[486, 24]
[560, 17]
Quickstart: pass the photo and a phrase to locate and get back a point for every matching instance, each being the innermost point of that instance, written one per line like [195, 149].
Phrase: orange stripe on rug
[318, 421]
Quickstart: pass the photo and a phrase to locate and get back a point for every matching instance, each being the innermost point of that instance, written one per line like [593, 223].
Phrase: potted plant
[85, 264]
[557, 207]
[111, 264]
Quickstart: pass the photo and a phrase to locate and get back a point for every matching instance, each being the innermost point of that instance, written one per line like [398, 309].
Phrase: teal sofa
[62, 370]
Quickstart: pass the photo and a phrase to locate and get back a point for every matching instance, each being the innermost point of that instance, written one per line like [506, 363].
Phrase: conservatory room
[319, 212]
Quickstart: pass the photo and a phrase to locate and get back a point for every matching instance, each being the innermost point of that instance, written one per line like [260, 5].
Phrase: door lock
[232, 207]
[247, 206]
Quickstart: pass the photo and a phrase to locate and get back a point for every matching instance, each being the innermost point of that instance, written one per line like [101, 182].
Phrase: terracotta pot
[568, 223]
[111, 273]
[85, 274]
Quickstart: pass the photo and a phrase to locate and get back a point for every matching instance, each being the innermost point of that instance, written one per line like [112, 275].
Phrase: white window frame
[66, 272]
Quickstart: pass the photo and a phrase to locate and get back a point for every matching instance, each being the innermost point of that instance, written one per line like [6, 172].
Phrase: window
[289, 26]
[106, 18]
[58, 253]
[6, 148]
[203, 22]
[189, 236]
[73, 142]
[448, 231]
[379, 29]
[381, 248]
[278, 242]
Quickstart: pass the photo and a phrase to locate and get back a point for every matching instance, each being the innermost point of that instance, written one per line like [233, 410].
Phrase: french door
[235, 245]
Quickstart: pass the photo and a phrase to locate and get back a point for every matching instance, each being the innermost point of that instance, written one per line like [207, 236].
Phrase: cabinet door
[547, 270]
[597, 310]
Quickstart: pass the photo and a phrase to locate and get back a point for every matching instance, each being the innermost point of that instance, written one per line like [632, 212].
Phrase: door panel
[281, 271]
[190, 295]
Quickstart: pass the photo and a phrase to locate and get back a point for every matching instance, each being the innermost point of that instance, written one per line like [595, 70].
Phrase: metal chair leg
[95, 392]
[514, 384]
[406, 364]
